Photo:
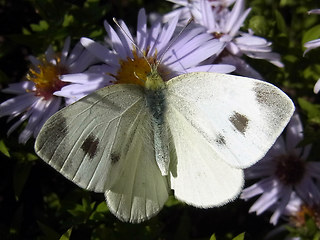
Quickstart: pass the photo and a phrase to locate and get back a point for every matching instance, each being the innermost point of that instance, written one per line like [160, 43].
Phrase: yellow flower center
[46, 78]
[136, 70]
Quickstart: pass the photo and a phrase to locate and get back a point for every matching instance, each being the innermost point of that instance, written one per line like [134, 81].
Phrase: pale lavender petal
[18, 123]
[126, 39]
[233, 48]
[242, 68]
[314, 11]
[264, 185]
[166, 34]
[50, 55]
[19, 88]
[316, 88]
[50, 108]
[17, 104]
[116, 42]
[153, 37]
[311, 45]
[65, 50]
[34, 60]
[248, 39]
[281, 206]
[75, 53]
[83, 62]
[207, 13]
[313, 169]
[84, 78]
[97, 49]
[267, 199]
[215, 68]
[142, 29]
[294, 134]
[181, 60]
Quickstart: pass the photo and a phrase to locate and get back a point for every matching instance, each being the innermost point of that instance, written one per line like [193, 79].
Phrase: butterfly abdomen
[156, 103]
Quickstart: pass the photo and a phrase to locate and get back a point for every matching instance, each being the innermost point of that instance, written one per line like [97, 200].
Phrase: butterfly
[192, 134]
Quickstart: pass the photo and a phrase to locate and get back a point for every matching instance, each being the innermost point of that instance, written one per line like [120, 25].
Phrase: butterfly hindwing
[198, 175]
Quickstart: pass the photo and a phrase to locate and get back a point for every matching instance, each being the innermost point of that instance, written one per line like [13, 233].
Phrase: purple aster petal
[19, 88]
[267, 199]
[166, 34]
[308, 191]
[313, 168]
[215, 68]
[241, 66]
[152, 41]
[17, 104]
[50, 55]
[272, 57]
[50, 108]
[316, 88]
[65, 50]
[236, 20]
[248, 39]
[207, 14]
[294, 134]
[18, 123]
[122, 49]
[264, 185]
[314, 11]
[281, 206]
[98, 50]
[180, 60]
[34, 60]
[311, 45]
[142, 29]
[74, 54]
[83, 62]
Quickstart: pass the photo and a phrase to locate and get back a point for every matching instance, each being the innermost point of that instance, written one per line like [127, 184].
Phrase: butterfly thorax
[155, 90]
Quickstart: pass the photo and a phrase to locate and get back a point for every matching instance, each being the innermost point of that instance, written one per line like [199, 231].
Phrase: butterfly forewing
[240, 118]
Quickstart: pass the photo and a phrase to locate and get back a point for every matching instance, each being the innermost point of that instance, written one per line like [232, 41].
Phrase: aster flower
[124, 63]
[224, 25]
[284, 174]
[35, 100]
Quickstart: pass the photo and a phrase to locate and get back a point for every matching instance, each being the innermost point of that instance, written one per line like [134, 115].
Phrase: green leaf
[213, 237]
[20, 176]
[4, 149]
[312, 34]
[66, 235]
[281, 24]
[42, 26]
[259, 25]
[49, 233]
[239, 237]
[312, 110]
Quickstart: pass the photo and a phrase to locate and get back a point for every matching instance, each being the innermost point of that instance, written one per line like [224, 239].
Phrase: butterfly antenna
[131, 40]
[174, 40]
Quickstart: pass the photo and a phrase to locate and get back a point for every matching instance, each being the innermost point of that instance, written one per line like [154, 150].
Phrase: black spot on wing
[239, 121]
[114, 158]
[90, 146]
[220, 140]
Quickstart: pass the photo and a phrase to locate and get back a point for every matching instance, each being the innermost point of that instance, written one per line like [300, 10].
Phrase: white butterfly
[192, 134]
